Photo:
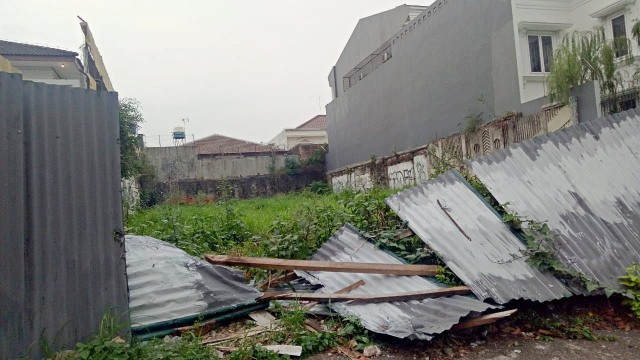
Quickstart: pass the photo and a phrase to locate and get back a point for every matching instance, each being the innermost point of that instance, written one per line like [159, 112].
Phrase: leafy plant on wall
[588, 56]
[130, 116]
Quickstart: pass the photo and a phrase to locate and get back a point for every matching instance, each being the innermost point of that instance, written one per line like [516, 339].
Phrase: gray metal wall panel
[492, 262]
[402, 319]
[584, 181]
[74, 268]
[12, 193]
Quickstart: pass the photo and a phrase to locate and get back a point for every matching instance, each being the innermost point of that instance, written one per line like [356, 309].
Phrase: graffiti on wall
[401, 175]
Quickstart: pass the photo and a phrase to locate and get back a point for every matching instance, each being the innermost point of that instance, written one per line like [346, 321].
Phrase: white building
[541, 25]
[45, 64]
[313, 131]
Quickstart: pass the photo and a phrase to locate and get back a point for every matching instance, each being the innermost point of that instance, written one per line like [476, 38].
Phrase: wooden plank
[403, 235]
[345, 290]
[483, 320]
[258, 330]
[199, 329]
[362, 299]
[329, 266]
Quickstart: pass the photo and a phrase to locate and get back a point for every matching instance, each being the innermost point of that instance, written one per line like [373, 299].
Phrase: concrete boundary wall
[415, 166]
[182, 163]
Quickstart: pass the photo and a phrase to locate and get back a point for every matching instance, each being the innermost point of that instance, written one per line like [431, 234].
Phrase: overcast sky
[246, 69]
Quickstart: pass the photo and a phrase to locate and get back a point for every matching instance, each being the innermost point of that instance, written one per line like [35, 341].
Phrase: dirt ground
[614, 333]
[626, 346]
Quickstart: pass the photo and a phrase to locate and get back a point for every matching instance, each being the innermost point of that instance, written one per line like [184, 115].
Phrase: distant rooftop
[317, 123]
[10, 48]
[224, 145]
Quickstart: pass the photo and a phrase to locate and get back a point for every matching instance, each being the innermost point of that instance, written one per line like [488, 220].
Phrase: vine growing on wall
[541, 250]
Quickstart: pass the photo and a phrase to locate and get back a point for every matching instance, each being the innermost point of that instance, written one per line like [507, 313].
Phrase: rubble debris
[372, 351]
[402, 319]
[258, 330]
[262, 318]
[330, 266]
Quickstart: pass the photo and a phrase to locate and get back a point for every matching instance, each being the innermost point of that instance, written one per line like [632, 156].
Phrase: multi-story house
[313, 131]
[405, 78]
[45, 64]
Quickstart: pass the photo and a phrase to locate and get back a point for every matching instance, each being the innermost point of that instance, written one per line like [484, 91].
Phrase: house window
[540, 53]
[619, 26]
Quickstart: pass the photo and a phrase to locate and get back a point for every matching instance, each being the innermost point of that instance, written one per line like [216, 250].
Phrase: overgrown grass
[290, 226]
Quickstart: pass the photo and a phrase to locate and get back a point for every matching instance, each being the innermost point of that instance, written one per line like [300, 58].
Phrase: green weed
[631, 283]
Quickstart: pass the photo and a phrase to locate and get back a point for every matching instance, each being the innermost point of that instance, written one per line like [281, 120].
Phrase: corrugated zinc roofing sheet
[61, 261]
[165, 283]
[582, 180]
[476, 245]
[412, 319]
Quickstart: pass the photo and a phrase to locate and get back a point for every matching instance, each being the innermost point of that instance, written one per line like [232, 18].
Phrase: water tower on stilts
[179, 134]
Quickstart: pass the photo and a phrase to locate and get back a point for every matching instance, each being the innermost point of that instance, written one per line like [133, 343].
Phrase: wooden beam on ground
[329, 266]
[258, 330]
[403, 235]
[345, 290]
[198, 330]
[273, 281]
[367, 299]
[483, 320]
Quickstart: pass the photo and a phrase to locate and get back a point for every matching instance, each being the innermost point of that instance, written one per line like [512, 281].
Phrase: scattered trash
[372, 351]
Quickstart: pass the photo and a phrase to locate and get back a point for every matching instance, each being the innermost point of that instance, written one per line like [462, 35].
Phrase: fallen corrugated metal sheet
[476, 245]
[61, 258]
[412, 319]
[166, 284]
[582, 180]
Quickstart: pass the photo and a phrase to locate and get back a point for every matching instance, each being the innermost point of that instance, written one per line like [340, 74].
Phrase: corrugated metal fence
[62, 263]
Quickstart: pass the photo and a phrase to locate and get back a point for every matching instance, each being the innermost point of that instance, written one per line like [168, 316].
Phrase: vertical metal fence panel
[12, 217]
[74, 266]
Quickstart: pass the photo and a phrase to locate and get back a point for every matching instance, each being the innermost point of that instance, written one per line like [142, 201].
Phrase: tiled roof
[224, 145]
[19, 49]
[317, 123]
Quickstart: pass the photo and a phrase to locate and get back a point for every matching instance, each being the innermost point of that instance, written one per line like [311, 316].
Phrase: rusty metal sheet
[470, 237]
[411, 319]
[584, 181]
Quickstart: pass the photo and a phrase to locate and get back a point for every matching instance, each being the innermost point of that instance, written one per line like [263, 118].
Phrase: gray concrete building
[410, 75]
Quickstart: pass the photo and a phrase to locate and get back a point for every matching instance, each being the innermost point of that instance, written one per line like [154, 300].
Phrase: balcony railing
[621, 101]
